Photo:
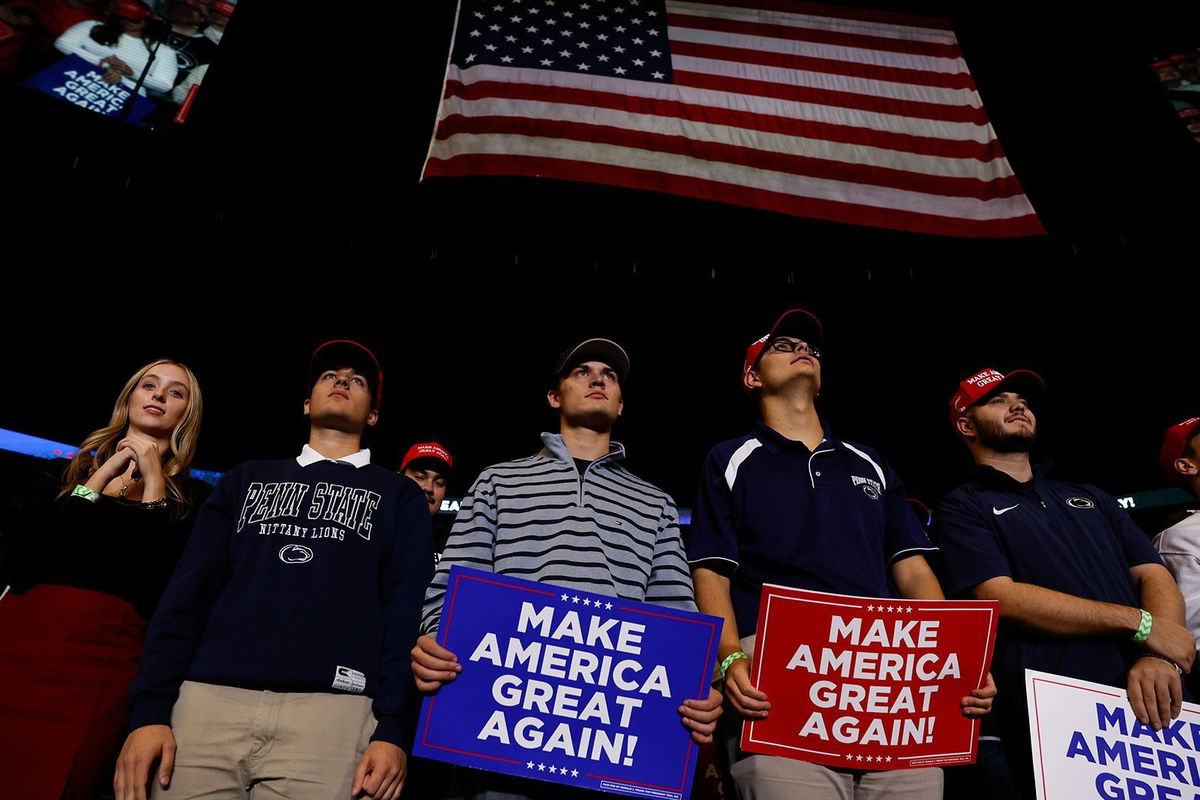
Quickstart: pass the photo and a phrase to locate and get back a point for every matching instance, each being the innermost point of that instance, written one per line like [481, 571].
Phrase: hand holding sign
[433, 666]
[700, 716]
[746, 698]
[979, 701]
[1155, 691]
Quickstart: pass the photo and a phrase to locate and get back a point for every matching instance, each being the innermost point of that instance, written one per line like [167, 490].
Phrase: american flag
[841, 114]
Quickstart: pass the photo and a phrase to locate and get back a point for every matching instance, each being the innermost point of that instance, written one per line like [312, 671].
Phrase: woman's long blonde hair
[102, 444]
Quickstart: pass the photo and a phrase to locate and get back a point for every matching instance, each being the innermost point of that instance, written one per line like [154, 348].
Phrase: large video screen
[141, 62]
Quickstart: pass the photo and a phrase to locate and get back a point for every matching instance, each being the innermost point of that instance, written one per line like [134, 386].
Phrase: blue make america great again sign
[568, 686]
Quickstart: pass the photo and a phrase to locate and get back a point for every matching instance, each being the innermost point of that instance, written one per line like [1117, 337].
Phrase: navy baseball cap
[339, 353]
[603, 350]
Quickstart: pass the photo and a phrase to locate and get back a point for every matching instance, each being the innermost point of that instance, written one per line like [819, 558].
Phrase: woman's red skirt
[67, 658]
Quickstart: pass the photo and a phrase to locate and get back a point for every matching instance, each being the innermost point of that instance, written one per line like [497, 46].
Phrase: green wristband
[1143, 631]
[732, 657]
[87, 494]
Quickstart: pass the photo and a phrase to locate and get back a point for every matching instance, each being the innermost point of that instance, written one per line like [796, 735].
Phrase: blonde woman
[86, 571]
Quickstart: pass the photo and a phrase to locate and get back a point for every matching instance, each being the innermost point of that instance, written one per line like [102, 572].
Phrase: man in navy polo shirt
[1082, 593]
[791, 504]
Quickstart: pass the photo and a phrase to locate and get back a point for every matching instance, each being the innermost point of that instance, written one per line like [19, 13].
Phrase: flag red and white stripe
[841, 114]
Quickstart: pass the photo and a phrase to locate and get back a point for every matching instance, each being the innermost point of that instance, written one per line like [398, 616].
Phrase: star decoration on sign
[575, 772]
[575, 599]
[608, 606]
[529, 765]
[500, 39]
[587, 602]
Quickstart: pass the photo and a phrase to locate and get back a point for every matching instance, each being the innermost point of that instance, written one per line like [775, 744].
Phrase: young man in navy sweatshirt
[278, 657]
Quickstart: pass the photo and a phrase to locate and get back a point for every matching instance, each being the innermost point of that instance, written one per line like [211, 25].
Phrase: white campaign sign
[1088, 745]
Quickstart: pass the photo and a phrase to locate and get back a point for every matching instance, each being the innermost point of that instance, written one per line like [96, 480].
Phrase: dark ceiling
[288, 209]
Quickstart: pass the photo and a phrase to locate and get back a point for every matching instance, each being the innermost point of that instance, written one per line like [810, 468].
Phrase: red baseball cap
[797, 322]
[989, 381]
[1175, 439]
[130, 9]
[429, 451]
[338, 353]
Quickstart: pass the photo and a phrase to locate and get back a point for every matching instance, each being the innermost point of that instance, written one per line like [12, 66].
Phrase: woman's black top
[121, 548]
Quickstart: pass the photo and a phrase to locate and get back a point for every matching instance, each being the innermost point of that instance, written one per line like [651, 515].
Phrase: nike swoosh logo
[999, 511]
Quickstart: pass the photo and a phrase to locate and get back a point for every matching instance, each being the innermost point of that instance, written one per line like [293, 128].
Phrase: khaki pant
[235, 744]
[759, 777]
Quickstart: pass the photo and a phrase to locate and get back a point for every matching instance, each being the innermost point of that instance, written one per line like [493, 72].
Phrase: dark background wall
[289, 209]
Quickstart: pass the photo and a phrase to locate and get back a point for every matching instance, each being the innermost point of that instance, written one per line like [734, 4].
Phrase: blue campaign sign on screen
[76, 81]
[567, 686]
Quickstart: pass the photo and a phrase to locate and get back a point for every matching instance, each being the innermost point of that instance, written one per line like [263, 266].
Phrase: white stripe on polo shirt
[739, 455]
[870, 460]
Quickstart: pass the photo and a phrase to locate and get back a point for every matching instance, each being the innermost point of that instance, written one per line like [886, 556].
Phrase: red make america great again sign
[866, 682]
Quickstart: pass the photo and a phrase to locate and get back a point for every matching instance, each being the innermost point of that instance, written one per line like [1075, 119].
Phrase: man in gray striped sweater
[572, 516]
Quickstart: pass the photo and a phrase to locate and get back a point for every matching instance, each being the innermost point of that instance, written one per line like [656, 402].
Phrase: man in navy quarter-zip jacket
[791, 504]
[1081, 591]
[277, 661]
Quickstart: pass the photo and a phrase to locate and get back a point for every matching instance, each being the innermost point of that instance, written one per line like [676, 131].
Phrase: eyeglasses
[793, 346]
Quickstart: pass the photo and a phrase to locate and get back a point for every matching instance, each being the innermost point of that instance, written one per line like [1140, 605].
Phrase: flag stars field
[509, 40]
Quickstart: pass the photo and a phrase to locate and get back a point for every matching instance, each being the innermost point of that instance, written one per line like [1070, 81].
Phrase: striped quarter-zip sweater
[605, 531]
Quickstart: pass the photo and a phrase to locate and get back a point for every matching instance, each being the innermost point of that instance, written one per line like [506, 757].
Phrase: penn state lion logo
[871, 488]
[295, 554]
[1080, 502]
